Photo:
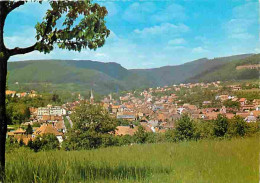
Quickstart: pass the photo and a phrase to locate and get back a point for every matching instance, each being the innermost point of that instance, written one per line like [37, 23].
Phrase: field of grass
[210, 161]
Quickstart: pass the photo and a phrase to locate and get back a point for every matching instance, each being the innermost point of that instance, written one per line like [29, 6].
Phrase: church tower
[91, 97]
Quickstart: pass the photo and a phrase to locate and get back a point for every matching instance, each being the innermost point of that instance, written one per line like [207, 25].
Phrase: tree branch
[18, 50]
[15, 5]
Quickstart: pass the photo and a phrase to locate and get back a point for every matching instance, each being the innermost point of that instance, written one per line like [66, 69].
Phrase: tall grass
[208, 161]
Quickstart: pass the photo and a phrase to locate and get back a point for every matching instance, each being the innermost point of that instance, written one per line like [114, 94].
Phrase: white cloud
[22, 38]
[116, 49]
[163, 29]
[199, 50]
[111, 7]
[174, 48]
[177, 41]
[202, 39]
[243, 21]
[238, 29]
[242, 35]
[171, 12]
[28, 8]
[142, 12]
[257, 50]
[246, 11]
[139, 12]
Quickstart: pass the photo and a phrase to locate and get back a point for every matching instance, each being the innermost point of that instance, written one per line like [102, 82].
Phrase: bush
[140, 135]
[92, 128]
[29, 129]
[109, 140]
[185, 129]
[44, 142]
[125, 140]
[155, 137]
[220, 126]
[11, 144]
[237, 126]
[169, 135]
[204, 129]
[253, 128]
[36, 124]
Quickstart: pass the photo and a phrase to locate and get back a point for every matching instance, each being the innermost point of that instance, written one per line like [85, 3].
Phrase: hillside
[228, 71]
[49, 75]
[180, 73]
[81, 75]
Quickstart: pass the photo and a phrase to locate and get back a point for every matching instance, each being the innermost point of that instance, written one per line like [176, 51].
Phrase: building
[242, 101]
[250, 118]
[125, 130]
[48, 129]
[51, 111]
[126, 115]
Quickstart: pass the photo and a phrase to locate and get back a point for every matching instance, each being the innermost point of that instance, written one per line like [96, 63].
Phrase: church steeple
[91, 97]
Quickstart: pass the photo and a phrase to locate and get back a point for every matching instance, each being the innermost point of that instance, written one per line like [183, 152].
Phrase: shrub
[11, 144]
[237, 126]
[169, 135]
[36, 124]
[253, 128]
[204, 129]
[92, 128]
[125, 140]
[220, 126]
[44, 142]
[29, 129]
[184, 129]
[109, 140]
[140, 135]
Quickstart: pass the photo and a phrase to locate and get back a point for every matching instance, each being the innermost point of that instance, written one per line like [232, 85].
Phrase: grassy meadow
[209, 161]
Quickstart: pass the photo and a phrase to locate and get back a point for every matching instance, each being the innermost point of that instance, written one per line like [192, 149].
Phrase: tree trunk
[4, 56]
[3, 122]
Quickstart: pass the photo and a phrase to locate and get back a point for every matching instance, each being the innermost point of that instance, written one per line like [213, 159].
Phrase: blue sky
[148, 34]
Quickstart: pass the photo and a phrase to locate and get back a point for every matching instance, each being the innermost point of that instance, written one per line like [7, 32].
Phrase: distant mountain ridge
[81, 75]
[228, 71]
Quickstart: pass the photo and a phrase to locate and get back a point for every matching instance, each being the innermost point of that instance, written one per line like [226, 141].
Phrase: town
[155, 109]
[129, 91]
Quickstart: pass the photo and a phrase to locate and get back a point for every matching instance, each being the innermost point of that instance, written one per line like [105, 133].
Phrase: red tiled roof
[125, 130]
[47, 129]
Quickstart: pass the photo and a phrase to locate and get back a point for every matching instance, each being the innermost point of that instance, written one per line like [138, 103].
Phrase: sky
[153, 33]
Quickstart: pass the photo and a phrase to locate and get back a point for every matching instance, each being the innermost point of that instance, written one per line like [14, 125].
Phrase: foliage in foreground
[94, 128]
[229, 161]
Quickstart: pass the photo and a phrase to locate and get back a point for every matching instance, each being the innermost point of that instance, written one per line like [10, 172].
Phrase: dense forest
[72, 75]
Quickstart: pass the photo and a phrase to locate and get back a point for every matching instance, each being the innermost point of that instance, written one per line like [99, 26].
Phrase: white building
[52, 111]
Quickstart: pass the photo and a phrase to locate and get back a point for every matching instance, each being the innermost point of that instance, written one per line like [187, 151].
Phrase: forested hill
[241, 69]
[73, 75]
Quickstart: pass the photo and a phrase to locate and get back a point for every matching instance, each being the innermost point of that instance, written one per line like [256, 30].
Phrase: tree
[140, 135]
[220, 126]
[232, 104]
[55, 98]
[238, 126]
[204, 129]
[184, 129]
[29, 129]
[89, 32]
[92, 127]
[45, 142]
[17, 112]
